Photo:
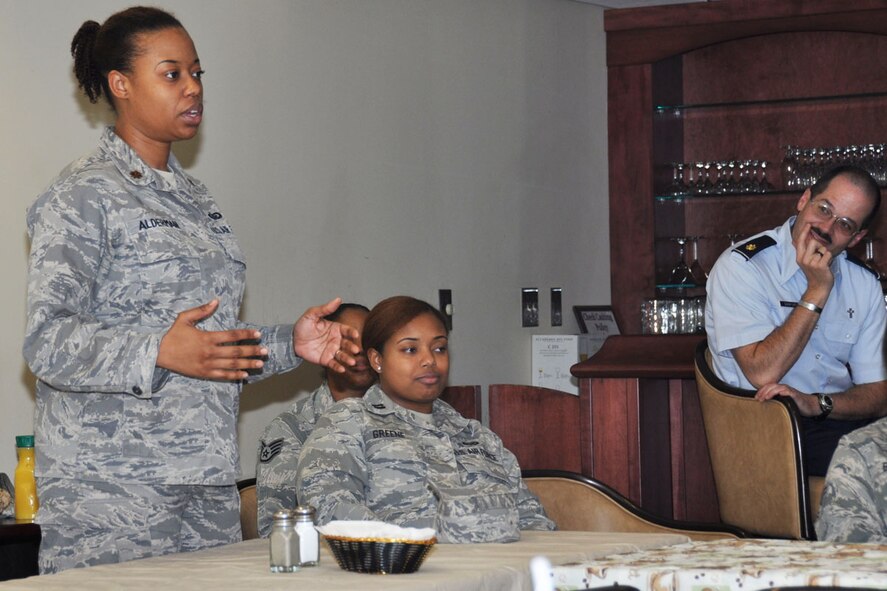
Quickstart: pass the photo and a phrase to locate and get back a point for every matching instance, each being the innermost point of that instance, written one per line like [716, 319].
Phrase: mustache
[823, 235]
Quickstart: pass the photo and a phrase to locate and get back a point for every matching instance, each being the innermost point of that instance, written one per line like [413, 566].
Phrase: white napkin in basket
[375, 529]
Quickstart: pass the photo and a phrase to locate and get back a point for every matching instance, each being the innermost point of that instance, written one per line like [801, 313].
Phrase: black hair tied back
[85, 69]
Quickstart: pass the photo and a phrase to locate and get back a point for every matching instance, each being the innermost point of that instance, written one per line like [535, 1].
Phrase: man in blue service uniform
[790, 313]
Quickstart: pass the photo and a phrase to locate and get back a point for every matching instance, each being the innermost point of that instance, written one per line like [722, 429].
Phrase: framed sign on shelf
[596, 323]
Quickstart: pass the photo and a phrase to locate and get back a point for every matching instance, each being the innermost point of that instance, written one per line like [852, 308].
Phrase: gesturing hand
[324, 342]
[210, 355]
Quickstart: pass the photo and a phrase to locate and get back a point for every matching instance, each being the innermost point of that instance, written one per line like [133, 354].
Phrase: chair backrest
[249, 523]
[756, 457]
[465, 399]
[578, 503]
[538, 425]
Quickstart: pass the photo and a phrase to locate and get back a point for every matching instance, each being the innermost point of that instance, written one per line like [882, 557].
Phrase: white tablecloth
[733, 565]
[449, 567]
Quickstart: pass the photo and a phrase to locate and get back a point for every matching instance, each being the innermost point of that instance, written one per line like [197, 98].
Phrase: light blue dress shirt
[751, 292]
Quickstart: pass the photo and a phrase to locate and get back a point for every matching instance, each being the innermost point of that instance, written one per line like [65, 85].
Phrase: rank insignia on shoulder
[754, 246]
[379, 406]
[269, 450]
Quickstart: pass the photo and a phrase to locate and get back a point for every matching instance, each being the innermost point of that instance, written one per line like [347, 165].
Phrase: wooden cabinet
[731, 80]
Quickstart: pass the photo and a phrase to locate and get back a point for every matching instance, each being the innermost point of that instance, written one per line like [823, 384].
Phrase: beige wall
[361, 148]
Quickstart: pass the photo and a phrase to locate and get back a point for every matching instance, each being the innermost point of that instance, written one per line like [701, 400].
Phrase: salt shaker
[284, 543]
[309, 541]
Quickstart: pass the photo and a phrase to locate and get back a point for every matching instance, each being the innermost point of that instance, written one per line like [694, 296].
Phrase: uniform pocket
[477, 517]
[841, 337]
[397, 474]
[167, 265]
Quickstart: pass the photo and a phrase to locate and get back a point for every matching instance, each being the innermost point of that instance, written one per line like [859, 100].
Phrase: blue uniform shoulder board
[857, 261]
[754, 246]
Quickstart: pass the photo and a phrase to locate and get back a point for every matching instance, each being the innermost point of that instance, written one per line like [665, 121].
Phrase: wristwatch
[826, 404]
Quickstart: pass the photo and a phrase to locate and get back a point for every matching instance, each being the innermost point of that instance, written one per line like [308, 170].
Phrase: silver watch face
[825, 402]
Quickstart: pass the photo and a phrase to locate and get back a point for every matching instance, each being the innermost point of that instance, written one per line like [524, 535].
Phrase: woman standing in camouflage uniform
[402, 456]
[134, 291]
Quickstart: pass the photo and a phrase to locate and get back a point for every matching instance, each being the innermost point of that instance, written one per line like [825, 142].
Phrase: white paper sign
[553, 356]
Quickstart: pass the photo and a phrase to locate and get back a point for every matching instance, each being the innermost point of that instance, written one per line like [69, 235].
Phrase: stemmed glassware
[677, 187]
[870, 256]
[697, 272]
[681, 274]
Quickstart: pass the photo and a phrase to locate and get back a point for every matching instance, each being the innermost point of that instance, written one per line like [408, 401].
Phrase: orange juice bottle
[26, 503]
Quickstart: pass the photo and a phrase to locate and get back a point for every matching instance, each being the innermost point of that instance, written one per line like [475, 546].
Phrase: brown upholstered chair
[249, 511]
[465, 399]
[757, 458]
[578, 503]
[538, 425]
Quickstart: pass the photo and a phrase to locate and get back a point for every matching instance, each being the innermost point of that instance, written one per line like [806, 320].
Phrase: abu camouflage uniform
[370, 459]
[854, 502]
[117, 251]
[279, 450]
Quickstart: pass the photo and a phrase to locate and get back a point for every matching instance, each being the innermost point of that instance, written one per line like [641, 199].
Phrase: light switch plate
[445, 299]
[557, 318]
[530, 306]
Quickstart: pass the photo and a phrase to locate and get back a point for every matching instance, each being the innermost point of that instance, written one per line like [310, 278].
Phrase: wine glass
[764, 186]
[680, 274]
[790, 168]
[677, 187]
[697, 272]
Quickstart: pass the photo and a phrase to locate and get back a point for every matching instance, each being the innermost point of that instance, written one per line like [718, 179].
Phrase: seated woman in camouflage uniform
[402, 456]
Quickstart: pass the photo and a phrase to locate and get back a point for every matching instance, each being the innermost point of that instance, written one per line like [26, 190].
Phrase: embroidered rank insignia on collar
[267, 451]
[135, 174]
[754, 246]
[379, 406]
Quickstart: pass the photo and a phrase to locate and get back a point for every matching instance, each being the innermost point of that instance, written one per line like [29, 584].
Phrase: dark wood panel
[616, 439]
[655, 448]
[631, 189]
[645, 35]
[694, 495]
[786, 66]
[540, 426]
[641, 356]
[465, 399]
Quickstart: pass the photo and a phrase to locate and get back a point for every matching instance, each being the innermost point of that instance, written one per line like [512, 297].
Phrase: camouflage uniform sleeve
[850, 510]
[531, 515]
[281, 356]
[332, 474]
[278, 458]
[66, 345]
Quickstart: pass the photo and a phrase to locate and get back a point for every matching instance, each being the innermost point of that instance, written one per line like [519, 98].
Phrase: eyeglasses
[844, 225]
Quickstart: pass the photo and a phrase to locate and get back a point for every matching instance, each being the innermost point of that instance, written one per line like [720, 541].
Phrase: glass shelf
[677, 286]
[694, 196]
[677, 109]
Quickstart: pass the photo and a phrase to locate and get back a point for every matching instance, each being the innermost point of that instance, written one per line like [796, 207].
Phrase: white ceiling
[635, 3]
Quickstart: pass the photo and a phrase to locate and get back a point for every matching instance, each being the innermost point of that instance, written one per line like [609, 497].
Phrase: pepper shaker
[284, 541]
[309, 541]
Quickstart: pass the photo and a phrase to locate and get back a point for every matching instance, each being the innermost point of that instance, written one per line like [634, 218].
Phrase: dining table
[747, 564]
[448, 567]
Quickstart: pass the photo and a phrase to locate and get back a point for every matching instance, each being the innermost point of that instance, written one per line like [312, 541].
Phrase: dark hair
[392, 314]
[334, 317]
[860, 178]
[99, 49]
